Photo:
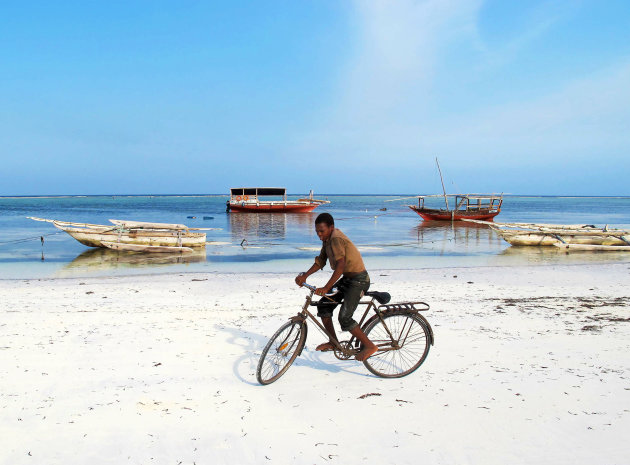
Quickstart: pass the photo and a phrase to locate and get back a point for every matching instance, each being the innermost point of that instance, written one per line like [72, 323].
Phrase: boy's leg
[325, 312]
[353, 291]
[369, 348]
[328, 324]
[355, 287]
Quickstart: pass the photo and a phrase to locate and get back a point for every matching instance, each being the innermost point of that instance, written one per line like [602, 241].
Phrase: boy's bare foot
[325, 347]
[366, 353]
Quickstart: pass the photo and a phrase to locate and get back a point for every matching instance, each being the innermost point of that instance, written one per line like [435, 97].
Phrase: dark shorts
[350, 292]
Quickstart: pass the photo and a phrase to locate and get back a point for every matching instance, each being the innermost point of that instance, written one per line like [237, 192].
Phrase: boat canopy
[468, 201]
[258, 191]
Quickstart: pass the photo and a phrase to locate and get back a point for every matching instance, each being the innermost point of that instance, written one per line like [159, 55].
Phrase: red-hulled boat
[470, 207]
[269, 200]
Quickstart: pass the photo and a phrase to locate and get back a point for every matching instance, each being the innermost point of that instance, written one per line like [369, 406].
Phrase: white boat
[133, 233]
[146, 248]
[564, 236]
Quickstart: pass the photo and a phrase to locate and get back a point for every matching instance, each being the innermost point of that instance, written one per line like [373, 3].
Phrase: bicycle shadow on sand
[252, 344]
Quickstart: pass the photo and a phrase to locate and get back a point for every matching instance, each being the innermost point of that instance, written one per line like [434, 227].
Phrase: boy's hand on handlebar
[322, 291]
[300, 279]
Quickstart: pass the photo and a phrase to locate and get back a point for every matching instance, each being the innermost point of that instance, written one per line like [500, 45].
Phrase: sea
[388, 233]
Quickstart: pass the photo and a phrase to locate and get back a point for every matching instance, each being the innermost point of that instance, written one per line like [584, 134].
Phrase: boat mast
[442, 180]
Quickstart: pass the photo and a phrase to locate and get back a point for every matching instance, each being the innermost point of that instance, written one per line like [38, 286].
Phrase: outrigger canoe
[569, 237]
[134, 236]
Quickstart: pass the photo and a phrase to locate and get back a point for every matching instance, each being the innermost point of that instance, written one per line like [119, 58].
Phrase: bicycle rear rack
[408, 306]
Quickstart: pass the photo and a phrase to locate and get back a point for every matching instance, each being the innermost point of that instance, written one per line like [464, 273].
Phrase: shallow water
[388, 233]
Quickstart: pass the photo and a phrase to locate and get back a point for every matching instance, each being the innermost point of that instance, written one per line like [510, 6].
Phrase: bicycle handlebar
[308, 286]
[314, 288]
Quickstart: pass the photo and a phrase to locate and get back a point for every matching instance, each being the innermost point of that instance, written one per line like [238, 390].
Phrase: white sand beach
[530, 365]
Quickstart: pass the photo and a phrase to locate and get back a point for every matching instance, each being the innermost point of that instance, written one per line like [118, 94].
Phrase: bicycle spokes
[403, 344]
[280, 352]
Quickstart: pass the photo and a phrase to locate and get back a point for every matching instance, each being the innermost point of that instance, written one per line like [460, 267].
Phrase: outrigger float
[269, 200]
[134, 236]
[568, 237]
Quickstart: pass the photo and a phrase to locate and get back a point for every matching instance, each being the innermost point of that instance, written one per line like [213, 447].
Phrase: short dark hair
[325, 218]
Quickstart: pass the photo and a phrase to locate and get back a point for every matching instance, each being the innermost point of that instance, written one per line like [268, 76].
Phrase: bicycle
[402, 334]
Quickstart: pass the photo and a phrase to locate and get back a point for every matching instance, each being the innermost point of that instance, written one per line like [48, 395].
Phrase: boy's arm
[301, 278]
[341, 265]
[320, 263]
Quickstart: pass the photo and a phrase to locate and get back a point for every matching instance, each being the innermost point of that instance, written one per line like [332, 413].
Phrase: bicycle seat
[381, 297]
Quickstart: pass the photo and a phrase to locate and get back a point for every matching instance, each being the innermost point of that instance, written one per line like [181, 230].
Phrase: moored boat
[464, 206]
[147, 237]
[269, 200]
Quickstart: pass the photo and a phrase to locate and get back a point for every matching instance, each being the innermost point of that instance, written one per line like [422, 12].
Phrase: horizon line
[58, 196]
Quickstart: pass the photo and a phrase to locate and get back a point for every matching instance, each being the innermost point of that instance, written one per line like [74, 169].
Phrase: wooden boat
[574, 237]
[269, 200]
[146, 248]
[149, 237]
[464, 206]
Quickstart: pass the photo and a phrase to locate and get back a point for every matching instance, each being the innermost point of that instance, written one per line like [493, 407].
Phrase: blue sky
[523, 97]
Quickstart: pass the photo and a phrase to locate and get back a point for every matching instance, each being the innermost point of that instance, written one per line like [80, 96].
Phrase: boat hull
[430, 214]
[121, 246]
[262, 207]
[95, 238]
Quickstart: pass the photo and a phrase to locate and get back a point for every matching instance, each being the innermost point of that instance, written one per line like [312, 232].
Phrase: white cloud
[384, 103]
[390, 78]
[385, 115]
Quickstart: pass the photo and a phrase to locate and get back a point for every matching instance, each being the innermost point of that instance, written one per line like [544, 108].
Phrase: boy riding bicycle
[345, 259]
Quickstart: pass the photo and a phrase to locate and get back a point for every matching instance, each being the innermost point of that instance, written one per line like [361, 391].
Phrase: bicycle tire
[280, 352]
[410, 332]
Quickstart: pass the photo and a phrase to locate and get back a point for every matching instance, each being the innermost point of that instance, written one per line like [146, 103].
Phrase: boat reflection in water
[556, 255]
[454, 238]
[268, 228]
[103, 260]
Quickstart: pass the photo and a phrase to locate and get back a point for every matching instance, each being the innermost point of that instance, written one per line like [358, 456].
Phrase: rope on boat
[367, 217]
[32, 238]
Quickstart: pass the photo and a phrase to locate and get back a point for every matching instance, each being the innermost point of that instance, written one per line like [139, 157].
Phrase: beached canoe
[532, 234]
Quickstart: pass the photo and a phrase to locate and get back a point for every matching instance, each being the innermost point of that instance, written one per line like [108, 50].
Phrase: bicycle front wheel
[401, 353]
[280, 352]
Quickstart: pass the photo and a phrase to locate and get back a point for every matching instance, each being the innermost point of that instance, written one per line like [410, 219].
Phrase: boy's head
[324, 226]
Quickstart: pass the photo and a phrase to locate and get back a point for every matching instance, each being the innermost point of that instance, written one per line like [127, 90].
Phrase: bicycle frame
[409, 332]
[347, 351]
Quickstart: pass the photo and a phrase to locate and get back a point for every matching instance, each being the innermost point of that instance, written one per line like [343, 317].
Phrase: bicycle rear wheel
[280, 352]
[403, 352]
